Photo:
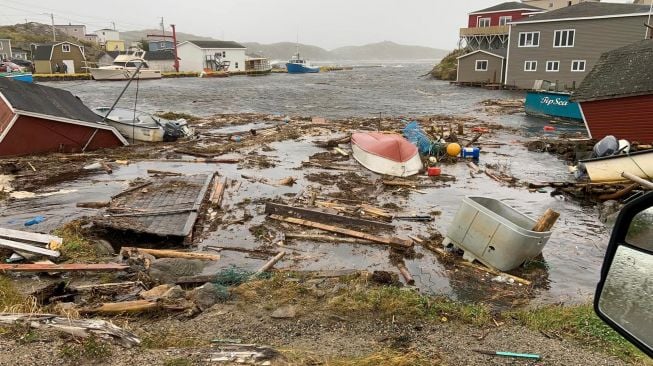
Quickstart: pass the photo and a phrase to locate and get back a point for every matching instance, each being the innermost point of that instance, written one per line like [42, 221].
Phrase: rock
[168, 270]
[285, 312]
[174, 293]
[104, 248]
[205, 296]
[155, 292]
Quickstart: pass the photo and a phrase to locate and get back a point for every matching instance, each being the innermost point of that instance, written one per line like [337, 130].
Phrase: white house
[196, 56]
[104, 35]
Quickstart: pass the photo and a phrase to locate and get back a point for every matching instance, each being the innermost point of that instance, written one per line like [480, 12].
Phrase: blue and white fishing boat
[20, 76]
[549, 104]
[297, 65]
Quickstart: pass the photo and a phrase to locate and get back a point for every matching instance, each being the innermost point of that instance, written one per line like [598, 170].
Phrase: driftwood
[4, 243]
[267, 266]
[162, 172]
[166, 253]
[136, 306]
[496, 272]
[643, 182]
[73, 267]
[100, 204]
[546, 221]
[77, 327]
[617, 195]
[405, 274]
[341, 151]
[303, 213]
[391, 241]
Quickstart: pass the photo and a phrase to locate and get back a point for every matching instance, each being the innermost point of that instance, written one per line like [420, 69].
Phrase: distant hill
[387, 51]
[138, 35]
[284, 50]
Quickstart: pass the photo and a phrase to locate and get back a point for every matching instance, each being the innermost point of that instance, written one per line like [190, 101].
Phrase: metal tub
[494, 233]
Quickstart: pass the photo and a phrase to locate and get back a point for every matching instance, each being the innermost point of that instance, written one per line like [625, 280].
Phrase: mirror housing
[624, 295]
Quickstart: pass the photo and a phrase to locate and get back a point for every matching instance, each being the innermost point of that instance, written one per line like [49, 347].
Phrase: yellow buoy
[453, 149]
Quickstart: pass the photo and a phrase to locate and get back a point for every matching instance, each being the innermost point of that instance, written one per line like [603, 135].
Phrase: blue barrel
[471, 152]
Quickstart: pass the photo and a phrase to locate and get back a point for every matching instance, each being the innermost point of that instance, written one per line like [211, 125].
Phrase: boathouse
[197, 56]
[616, 97]
[37, 119]
[481, 67]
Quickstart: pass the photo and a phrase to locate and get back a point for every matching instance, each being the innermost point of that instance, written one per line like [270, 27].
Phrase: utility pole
[114, 25]
[163, 28]
[54, 32]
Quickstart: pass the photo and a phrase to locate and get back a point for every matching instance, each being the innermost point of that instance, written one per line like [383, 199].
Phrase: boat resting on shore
[144, 126]
[386, 154]
[610, 168]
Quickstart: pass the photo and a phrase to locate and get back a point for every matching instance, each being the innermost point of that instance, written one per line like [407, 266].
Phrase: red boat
[386, 154]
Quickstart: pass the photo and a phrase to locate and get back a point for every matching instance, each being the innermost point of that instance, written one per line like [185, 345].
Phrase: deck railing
[484, 31]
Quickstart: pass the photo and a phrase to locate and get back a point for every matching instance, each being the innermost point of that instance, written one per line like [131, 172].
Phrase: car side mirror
[624, 295]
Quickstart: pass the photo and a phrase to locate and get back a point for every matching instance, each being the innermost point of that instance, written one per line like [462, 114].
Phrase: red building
[38, 119]
[616, 97]
[488, 28]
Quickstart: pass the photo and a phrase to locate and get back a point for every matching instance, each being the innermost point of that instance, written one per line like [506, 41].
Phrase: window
[505, 20]
[553, 66]
[162, 45]
[224, 53]
[483, 22]
[530, 66]
[529, 39]
[578, 65]
[65, 48]
[481, 65]
[564, 38]
[236, 64]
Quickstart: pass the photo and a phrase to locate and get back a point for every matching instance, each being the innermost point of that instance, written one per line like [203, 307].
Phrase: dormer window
[65, 48]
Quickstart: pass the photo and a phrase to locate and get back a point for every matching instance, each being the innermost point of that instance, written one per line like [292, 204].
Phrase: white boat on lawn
[145, 127]
[124, 66]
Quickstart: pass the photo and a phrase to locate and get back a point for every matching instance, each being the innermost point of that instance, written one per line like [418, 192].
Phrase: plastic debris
[34, 221]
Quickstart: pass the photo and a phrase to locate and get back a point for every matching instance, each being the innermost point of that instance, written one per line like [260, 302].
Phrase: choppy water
[573, 254]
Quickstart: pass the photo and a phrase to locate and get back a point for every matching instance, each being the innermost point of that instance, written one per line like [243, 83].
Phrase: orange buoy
[453, 149]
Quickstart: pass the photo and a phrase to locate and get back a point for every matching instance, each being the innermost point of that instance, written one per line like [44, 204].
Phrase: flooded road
[573, 255]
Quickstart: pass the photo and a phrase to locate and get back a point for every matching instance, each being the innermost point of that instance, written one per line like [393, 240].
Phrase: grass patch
[582, 324]
[178, 362]
[76, 244]
[89, 349]
[9, 296]
[448, 67]
[386, 357]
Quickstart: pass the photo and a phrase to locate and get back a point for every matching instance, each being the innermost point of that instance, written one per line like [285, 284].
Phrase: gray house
[5, 49]
[563, 45]
[481, 67]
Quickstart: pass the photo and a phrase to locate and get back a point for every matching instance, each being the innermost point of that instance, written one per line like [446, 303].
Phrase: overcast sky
[327, 23]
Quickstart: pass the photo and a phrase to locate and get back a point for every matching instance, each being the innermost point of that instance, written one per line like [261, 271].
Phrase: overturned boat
[386, 154]
[610, 168]
[143, 126]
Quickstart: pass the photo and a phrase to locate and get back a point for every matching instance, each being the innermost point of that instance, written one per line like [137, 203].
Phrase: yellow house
[114, 45]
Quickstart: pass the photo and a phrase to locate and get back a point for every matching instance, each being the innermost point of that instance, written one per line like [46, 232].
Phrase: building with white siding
[197, 56]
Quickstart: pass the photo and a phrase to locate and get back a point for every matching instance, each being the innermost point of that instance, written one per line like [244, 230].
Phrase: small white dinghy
[386, 154]
[144, 127]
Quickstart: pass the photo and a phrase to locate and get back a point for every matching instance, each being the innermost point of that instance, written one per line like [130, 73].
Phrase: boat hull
[552, 104]
[609, 169]
[20, 76]
[137, 133]
[301, 69]
[386, 154]
[125, 74]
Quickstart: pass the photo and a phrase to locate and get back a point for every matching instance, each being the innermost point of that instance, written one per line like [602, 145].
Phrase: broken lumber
[617, 195]
[267, 266]
[375, 211]
[643, 182]
[28, 248]
[546, 222]
[397, 183]
[29, 236]
[218, 191]
[72, 267]
[397, 243]
[167, 253]
[99, 204]
[162, 172]
[405, 274]
[341, 151]
[304, 213]
[77, 327]
[495, 272]
[327, 238]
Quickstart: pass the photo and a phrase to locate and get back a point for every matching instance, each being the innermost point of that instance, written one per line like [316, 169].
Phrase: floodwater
[573, 255]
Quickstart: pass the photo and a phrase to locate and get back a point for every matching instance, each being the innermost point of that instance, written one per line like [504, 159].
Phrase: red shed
[616, 97]
[38, 119]
[501, 14]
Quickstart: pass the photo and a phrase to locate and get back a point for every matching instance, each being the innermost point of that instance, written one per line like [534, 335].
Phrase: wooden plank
[546, 222]
[303, 213]
[166, 253]
[404, 272]
[136, 306]
[327, 238]
[72, 267]
[391, 241]
[643, 182]
[29, 236]
[218, 191]
[375, 211]
[28, 248]
[267, 266]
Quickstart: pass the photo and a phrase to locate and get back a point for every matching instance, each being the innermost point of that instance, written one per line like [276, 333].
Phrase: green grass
[582, 324]
[448, 66]
[9, 296]
[76, 245]
[178, 362]
[88, 349]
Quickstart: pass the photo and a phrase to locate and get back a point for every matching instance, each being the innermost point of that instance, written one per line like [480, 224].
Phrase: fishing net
[414, 133]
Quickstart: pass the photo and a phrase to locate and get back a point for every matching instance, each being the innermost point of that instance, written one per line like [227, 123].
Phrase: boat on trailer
[388, 154]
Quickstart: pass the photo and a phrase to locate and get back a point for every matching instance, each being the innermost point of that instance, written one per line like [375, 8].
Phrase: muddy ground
[255, 153]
